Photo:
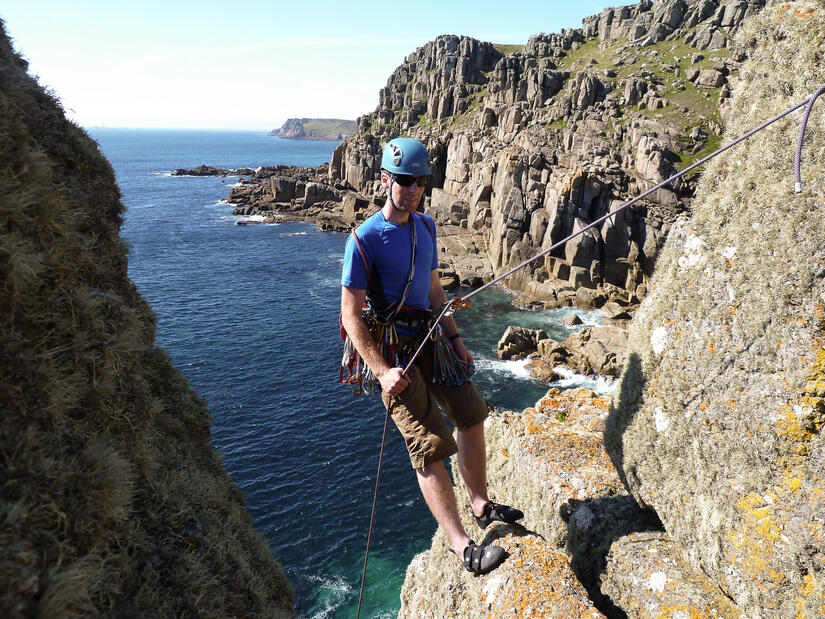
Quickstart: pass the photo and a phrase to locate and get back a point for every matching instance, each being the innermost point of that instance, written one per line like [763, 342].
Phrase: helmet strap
[389, 196]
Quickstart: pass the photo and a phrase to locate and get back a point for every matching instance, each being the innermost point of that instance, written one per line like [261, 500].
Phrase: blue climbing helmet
[406, 156]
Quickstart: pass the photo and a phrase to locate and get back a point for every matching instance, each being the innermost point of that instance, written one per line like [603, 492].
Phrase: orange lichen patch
[805, 13]
[793, 481]
[711, 348]
[538, 582]
[755, 536]
[807, 588]
[798, 424]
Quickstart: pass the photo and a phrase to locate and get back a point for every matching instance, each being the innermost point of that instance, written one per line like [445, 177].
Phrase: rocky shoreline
[698, 490]
[206, 170]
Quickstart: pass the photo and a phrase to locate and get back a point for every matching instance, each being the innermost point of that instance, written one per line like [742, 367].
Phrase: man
[391, 262]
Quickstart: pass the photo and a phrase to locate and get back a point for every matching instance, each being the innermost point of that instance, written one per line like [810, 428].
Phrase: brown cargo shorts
[417, 416]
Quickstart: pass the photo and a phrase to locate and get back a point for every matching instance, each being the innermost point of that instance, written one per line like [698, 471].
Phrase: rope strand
[809, 100]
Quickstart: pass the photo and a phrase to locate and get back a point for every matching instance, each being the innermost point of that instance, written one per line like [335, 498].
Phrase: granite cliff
[112, 499]
[718, 421]
[530, 143]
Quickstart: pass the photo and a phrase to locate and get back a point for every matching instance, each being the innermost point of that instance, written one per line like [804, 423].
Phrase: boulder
[647, 577]
[571, 320]
[710, 78]
[614, 311]
[518, 342]
[597, 350]
[542, 370]
[718, 421]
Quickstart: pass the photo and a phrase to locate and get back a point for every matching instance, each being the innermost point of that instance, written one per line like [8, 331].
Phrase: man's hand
[393, 382]
[462, 351]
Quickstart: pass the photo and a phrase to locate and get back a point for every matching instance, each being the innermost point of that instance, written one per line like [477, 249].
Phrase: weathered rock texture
[550, 461]
[112, 500]
[718, 422]
[533, 143]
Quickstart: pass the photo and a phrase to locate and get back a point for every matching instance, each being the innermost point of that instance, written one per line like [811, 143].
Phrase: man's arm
[437, 299]
[352, 302]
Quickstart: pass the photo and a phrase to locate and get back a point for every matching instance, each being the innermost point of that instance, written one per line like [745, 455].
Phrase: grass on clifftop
[507, 48]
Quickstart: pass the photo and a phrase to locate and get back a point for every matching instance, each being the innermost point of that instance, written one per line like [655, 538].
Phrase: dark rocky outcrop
[112, 500]
[206, 170]
[315, 129]
[718, 423]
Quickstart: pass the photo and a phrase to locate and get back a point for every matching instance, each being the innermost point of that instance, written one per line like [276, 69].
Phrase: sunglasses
[405, 180]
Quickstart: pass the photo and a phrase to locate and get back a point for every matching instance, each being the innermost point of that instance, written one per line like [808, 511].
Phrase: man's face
[405, 198]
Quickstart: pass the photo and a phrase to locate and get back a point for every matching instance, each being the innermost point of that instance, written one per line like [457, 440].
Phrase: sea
[249, 314]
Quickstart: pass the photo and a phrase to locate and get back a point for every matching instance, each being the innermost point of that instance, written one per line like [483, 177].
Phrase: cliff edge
[112, 500]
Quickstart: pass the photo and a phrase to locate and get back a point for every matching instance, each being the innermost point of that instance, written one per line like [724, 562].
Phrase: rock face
[718, 421]
[315, 129]
[551, 462]
[533, 145]
[529, 146]
[112, 500]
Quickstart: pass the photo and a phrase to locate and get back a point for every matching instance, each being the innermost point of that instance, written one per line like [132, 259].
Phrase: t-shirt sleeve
[354, 272]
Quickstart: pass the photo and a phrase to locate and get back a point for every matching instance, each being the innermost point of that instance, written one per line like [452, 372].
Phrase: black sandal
[481, 559]
[497, 512]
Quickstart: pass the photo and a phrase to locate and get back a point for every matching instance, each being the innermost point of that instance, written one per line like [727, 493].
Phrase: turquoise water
[249, 314]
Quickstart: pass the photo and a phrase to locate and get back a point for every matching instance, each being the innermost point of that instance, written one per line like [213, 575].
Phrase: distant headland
[315, 129]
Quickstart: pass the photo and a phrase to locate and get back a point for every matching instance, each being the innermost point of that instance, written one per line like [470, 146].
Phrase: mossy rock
[718, 421]
[112, 499]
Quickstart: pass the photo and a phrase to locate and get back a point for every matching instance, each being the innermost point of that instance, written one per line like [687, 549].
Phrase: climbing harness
[383, 326]
[456, 303]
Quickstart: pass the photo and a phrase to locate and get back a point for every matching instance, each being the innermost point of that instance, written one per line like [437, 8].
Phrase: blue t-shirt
[387, 247]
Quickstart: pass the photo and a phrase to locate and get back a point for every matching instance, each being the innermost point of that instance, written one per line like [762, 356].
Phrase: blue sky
[246, 64]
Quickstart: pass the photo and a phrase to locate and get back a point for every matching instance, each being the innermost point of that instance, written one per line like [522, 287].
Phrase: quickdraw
[448, 367]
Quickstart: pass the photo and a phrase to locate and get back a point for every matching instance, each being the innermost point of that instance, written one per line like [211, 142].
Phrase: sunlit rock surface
[718, 420]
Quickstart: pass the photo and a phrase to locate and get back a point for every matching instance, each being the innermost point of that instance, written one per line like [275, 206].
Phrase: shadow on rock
[592, 527]
[622, 413]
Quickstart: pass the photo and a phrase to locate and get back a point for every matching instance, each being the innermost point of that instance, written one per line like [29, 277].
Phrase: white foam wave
[514, 368]
[570, 380]
[259, 218]
[337, 591]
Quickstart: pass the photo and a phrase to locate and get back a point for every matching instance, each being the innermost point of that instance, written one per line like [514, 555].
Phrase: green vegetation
[589, 50]
[329, 126]
[507, 49]
[711, 144]
[560, 124]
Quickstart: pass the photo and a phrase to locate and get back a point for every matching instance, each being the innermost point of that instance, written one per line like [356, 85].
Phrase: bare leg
[438, 492]
[472, 463]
